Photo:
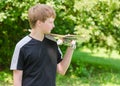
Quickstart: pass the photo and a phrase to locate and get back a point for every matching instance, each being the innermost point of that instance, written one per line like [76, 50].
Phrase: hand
[59, 41]
[73, 44]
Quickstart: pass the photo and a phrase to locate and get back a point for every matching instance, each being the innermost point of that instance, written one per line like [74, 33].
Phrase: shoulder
[50, 39]
[23, 42]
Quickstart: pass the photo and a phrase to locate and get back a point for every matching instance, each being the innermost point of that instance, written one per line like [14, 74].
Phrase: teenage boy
[36, 58]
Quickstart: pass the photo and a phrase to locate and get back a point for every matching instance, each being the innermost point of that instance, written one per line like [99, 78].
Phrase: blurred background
[96, 60]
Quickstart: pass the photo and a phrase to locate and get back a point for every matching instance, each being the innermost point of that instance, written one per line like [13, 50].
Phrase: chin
[48, 32]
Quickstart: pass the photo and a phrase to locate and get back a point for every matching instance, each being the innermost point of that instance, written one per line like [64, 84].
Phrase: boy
[37, 58]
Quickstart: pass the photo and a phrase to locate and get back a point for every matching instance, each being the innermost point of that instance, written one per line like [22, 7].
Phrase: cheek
[49, 26]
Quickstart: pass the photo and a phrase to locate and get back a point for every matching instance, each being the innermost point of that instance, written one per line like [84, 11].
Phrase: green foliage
[99, 20]
[13, 22]
[5, 77]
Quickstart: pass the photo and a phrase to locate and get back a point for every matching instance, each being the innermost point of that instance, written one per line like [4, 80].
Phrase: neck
[37, 35]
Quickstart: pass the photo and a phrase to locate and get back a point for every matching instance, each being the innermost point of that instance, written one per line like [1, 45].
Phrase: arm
[17, 77]
[64, 64]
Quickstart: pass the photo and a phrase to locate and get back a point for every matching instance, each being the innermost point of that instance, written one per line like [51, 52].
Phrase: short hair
[40, 12]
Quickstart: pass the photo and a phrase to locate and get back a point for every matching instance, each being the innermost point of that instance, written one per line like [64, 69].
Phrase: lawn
[86, 69]
[101, 79]
[100, 69]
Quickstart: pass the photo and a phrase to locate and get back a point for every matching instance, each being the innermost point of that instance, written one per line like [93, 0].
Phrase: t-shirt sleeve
[59, 54]
[17, 59]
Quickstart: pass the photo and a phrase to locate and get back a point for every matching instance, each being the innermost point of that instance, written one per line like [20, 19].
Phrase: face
[48, 25]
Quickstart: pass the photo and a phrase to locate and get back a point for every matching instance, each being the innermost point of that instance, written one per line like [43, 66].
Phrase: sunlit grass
[101, 52]
[99, 58]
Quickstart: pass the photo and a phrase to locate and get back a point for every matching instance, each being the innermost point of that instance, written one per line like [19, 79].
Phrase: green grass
[94, 69]
[106, 70]
[100, 59]
[101, 79]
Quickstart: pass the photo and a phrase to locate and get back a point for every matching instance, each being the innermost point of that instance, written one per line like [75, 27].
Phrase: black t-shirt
[38, 60]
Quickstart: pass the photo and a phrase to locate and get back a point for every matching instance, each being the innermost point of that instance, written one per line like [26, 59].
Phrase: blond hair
[40, 12]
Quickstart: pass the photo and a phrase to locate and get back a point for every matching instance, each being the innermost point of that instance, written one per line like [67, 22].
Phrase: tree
[99, 20]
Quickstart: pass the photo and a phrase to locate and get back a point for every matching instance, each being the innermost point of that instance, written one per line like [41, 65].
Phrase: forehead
[50, 19]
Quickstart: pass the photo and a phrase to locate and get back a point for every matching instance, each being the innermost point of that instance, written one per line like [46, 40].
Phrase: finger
[73, 42]
[59, 41]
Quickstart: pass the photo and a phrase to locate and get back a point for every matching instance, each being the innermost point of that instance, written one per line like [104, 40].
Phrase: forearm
[64, 64]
